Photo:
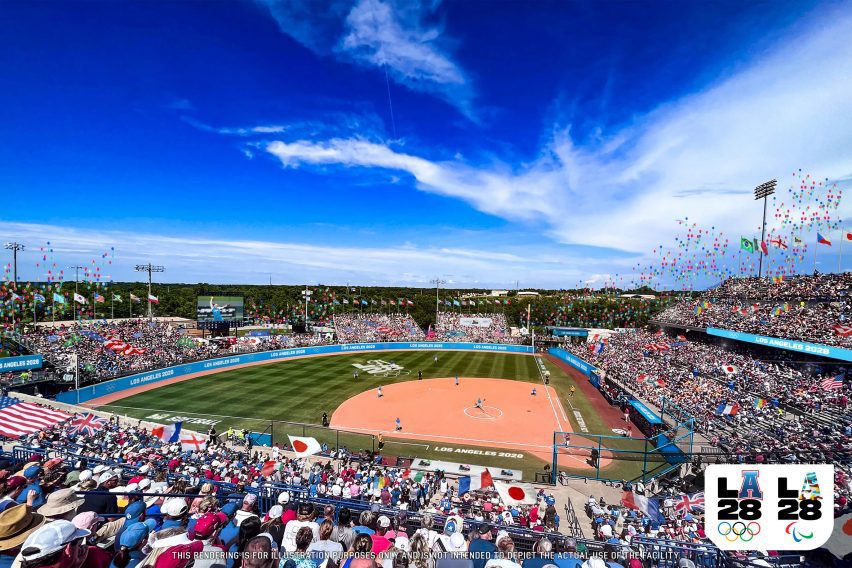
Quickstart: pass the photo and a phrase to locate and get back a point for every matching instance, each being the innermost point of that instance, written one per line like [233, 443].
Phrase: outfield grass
[262, 398]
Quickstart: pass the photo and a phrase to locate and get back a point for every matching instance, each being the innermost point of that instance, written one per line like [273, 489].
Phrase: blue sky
[551, 143]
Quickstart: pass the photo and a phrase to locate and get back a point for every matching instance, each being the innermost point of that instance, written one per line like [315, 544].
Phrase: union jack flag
[694, 502]
[87, 424]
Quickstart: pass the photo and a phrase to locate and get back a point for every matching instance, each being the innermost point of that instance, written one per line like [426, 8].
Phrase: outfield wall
[131, 381]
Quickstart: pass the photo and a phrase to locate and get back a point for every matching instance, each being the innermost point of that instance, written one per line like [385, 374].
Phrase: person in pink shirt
[380, 540]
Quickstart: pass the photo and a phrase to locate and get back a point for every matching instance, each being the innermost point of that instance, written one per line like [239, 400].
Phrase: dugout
[644, 418]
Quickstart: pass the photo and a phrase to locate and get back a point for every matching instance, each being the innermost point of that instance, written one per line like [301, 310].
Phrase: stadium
[362, 314]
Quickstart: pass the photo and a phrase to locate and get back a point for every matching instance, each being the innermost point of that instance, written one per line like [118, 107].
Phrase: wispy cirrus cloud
[393, 37]
[698, 156]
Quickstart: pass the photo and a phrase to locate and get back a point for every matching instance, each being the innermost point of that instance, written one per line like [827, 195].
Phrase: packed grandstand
[778, 407]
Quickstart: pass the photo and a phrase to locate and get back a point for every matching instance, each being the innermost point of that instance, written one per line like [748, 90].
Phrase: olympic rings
[739, 530]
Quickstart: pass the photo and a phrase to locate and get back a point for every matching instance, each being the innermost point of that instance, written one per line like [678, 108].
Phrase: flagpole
[76, 374]
[112, 307]
[815, 251]
[839, 249]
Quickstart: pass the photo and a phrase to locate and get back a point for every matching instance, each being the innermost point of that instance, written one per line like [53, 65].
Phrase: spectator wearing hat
[131, 542]
[248, 509]
[17, 523]
[206, 531]
[206, 489]
[14, 488]
[505, 553]
[33, 477]
[325, 547]
[380, 541]
[273, 525]
[61, 504]
[482, 546]
[102, 503]
[58, 544]
[174, 513]
[304, 518]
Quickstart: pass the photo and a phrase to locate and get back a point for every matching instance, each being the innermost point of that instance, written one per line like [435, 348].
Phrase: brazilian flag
[746, 244]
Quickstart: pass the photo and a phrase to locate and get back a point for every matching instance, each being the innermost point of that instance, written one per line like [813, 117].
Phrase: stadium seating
[369, 328]
[477, 328]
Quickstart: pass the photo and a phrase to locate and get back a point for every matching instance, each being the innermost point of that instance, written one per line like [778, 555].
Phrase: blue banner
[21, 363]
[131, 381]
[572, 360]
[646, 412]
[568, 332]
[788, 344]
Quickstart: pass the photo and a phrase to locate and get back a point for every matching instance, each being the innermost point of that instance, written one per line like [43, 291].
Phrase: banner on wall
[22, 363]
[788, 344]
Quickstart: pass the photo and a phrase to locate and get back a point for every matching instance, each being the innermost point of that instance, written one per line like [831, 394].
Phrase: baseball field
[439, 417]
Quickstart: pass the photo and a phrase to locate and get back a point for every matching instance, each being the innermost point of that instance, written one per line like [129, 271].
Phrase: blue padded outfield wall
[572, 360]
[788, 344]
[131, 381]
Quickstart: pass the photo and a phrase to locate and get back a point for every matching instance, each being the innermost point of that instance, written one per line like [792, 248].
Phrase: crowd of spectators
[476, 328]
[810, 308]
[369, 328]
[783, 412]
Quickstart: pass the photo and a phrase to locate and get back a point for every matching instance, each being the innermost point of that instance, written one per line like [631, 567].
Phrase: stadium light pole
[437, 282]
[763, 191]
[14, 247]
[149, 268]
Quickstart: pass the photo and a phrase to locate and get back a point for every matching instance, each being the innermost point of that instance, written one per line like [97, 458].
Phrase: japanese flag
[516, 493]
[304, 447]
[729, 369]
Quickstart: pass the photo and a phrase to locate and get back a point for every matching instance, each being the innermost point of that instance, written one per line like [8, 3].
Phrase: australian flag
[87, 424]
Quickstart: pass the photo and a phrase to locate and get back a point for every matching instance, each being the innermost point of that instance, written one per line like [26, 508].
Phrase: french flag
[168, 434]
[728, 409]
[647, 505]
[474, 482]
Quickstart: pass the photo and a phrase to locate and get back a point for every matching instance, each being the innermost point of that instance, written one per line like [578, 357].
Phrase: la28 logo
[743, 503]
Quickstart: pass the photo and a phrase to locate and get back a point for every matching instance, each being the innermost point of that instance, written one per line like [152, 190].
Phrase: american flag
[21, 418]
[87, 424]
[832, 383]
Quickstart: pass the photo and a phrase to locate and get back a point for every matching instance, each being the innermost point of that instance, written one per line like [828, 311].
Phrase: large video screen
[219, 308]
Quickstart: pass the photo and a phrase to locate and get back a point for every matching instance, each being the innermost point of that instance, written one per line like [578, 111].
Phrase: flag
[778, 242]
[516, 493]
[268, 468]
[15, 297]
[797, 241]
[647, 505]
[99, 299]
[135, 298]
[456, 303]
[822, 240]
[363, 302]
[168, 434]
[409, 302]
[763, 247]
[759, 403]
[832, 383]
[694, 502]
[304, 446]
[58, 298]
[778, 279]
[21, 418]
[116, 298]
[746, 244]
[840, 541]
[843, 330]
[474, 482]
[191, 443]
[38, 298]
[729, 369]
[79, 299]
[153, 299]
[847, 235]
[681, 338]
[727, 409]
[87, 424]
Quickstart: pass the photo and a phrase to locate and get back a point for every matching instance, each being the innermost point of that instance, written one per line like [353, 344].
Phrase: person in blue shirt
[131, 542]
[483, 547]
[32, 473]
[229, 533]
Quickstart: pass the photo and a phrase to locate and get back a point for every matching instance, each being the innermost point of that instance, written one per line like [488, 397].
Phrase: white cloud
[235, 260]
[787, 109]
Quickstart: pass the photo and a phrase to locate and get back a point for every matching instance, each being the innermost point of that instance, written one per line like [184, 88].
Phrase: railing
[573, 521]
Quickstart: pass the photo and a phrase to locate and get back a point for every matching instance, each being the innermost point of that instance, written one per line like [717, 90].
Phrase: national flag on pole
[746, 244]
[116, 298]
[832, 383]
[99, 299]
[409, 302]
[168, 434]
[304, 446]
[87, 424]
[763, 247]
[778, 242]
[474, 482]
[728, 409]
[647, 505]
[516, 493]
[822, 240]
[38, 298]
[694, 502]
[58, 298]
[153, 299]
[798, 241]
[15, 297]
[21, 418]
[192, 443]
[79, 299]
[847, 235]
[135, 298]
[729, 369]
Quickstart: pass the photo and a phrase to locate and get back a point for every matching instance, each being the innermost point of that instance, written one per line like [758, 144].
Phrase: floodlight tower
[437, 282]
[149, 268]
[763, 191]
[14, 247]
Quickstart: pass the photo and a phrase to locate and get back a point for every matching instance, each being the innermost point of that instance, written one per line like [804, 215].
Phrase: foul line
[539, 364]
